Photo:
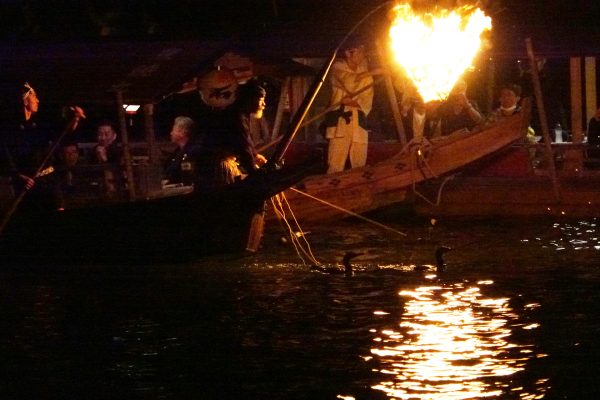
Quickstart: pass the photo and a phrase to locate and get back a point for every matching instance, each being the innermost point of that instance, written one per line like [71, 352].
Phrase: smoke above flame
[435, 48]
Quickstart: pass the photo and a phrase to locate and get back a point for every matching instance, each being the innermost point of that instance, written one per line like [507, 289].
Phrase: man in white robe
[348, 138]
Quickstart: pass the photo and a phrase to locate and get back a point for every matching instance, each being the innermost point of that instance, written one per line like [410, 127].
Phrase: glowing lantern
[435, 48]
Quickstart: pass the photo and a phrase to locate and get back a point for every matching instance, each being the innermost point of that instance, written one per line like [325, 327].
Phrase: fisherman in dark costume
[25, 146]
[228, 150]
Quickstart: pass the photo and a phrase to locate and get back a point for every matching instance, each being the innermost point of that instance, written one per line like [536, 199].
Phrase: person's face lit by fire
[31, 101]
[105, 135]
[260, 108]
[355, 56]
[508, 99]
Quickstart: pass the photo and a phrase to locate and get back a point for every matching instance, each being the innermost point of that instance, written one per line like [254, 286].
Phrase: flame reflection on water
[452, 343]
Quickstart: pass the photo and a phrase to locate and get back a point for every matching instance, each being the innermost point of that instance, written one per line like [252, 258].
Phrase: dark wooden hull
[165, 229]
[387, 182]
[508, 186]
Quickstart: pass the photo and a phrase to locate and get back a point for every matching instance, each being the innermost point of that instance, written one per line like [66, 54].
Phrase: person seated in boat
[510, 96]
[346, 127]
[180, 167]
[28, 148]
[509, 104]
[227, 148]
[417, 119]
[109, 154]
[71, 180]
[593, 136]
[106, 150]
[458, 112]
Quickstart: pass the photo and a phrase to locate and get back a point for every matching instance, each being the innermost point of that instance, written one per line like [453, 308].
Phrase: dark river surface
[515, 315]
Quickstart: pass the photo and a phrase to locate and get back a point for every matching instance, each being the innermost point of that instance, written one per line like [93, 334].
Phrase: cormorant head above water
[440, 264]
[346, 262]
[348, 271]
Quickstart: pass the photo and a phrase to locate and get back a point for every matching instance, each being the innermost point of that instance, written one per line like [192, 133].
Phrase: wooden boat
[327, 196]
[179, 227]
[510, 185]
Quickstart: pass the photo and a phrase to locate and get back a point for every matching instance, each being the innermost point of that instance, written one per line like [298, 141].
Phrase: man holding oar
[27, 152]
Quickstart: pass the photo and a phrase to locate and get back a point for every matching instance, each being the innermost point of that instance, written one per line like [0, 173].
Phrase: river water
[515, 315]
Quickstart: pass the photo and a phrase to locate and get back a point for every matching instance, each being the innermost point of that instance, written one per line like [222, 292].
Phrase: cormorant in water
[440, 264]
[334, 270]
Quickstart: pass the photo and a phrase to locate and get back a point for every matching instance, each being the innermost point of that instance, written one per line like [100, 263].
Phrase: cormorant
[440, 264]
[348, 271]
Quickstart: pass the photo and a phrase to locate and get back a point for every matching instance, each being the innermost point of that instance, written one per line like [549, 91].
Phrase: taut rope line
[349, 212]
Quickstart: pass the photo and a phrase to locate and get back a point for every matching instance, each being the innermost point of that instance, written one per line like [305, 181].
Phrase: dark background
[571, 24]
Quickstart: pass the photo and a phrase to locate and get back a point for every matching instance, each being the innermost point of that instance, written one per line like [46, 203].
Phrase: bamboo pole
[339, 103]
[537, 87]
[391, 93]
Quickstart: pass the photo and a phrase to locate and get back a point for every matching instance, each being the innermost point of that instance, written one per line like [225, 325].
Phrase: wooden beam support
[576, 100]
[539, 98]
[392, 97]
[591, 103]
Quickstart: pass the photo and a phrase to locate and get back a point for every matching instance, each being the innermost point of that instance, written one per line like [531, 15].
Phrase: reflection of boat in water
[387, 182]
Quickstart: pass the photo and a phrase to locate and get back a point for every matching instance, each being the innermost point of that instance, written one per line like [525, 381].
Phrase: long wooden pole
[391, 93]
[71, 126]
[301, 112]
[537, 87]
[308, 100]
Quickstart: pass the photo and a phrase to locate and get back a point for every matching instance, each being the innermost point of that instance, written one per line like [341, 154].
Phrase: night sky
[570, 24]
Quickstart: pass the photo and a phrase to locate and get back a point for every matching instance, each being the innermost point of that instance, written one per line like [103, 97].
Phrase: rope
[278, 206]
[439, 193]
[421, 157]
[349, 212]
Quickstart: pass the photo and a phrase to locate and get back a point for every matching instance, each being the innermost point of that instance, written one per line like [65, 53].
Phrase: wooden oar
[71, 126]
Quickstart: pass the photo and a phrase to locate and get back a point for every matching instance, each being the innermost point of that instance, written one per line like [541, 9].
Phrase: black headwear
[249, 94]
[354, 41]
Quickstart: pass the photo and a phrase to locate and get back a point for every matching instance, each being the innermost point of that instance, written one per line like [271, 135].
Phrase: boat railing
[568, 156]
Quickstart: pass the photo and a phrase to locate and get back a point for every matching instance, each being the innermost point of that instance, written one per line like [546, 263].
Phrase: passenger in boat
[71, 181]
[27, 147]
[417, 119]
[107, 149]
[108, 153]
[593, 136]
[180, 168]
[458, 112]
[227, 148]
[346, 126]
[510, 95]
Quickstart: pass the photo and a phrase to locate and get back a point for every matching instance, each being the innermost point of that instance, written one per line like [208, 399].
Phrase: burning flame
[437, 47]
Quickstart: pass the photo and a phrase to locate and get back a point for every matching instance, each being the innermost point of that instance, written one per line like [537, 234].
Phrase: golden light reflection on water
[452, 343]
